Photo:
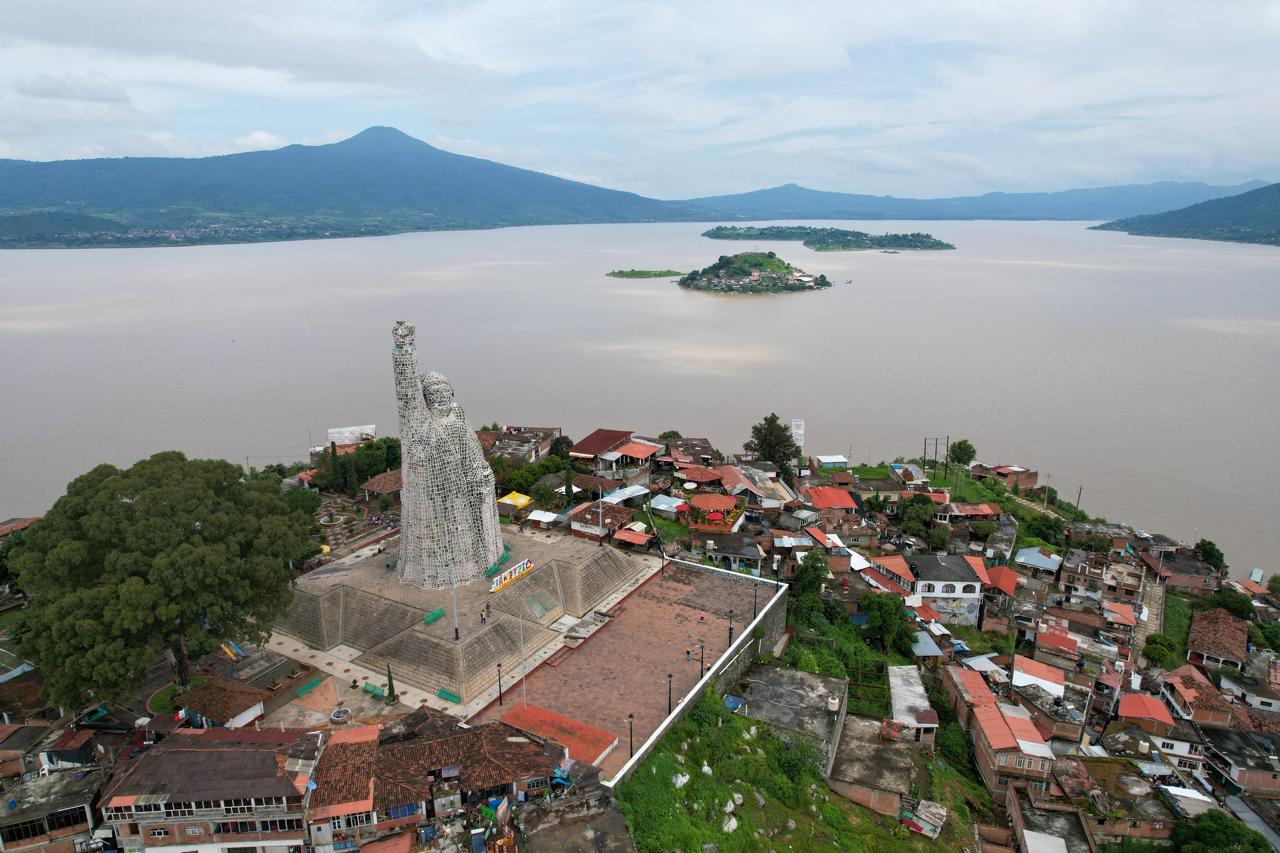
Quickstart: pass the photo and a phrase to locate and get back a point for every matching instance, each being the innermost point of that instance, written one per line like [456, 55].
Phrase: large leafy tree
[914, 515]
[962, 452]
[887, 621]
[1211, 554]
[1215, 831]
[772, 441]
[173, 555]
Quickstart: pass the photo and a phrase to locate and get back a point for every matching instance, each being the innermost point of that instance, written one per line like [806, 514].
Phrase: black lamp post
[669, 677]
[731, 626]
[702, 658]
[755, 594]
[631, 734]
[499, 682]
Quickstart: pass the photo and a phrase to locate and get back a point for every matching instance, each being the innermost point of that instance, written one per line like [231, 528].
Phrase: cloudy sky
[670, 99]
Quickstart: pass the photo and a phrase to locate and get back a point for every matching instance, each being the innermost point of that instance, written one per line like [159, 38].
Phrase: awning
[516, 500]
[631, 536]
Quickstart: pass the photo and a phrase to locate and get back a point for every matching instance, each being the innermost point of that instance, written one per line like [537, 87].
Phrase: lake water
[1146, 370]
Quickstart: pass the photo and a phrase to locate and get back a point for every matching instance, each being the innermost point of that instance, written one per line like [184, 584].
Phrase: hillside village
[935, 653]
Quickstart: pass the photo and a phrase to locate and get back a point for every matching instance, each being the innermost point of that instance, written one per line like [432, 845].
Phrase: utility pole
[1079, 492]
[946, 467]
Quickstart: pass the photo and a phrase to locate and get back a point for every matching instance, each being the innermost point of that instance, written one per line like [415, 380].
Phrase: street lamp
[755, 592]
[631, 734]
[731, 626]
[702, 658]
[499, 682]
[669, 677]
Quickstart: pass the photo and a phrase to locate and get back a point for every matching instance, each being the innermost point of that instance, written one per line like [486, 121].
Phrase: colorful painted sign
[511, 575]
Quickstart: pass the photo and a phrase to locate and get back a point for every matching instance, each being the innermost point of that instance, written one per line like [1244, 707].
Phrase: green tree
[8, 547]
[1215, 831]
[772, 441]
[543, 494]
[1273, 584]
[914, 515]
[939, 537]
[1047, 527]
[805, 596]
[1164, 651]
[983, 529]
[962, 452]
[1210, 553]
[887, 621]
[385, 503]
[1236, 603]
[173, 555]
[669, 435]
[560, 446]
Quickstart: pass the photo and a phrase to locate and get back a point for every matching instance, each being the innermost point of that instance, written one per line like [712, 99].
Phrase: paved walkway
[1253, 820]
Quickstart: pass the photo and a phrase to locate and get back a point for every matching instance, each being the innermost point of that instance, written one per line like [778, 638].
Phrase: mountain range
[382, 181]
[1252, 217]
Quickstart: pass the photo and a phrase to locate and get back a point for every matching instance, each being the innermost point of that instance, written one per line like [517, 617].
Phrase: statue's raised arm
[405, 360]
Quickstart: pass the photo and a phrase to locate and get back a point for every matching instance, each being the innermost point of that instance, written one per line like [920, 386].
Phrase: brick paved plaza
[622, 668]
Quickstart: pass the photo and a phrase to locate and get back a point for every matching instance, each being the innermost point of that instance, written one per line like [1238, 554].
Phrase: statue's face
[402, 333]
[438, 393]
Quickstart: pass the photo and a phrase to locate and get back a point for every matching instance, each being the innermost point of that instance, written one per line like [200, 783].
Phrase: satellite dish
[311, 785]
[691, 485]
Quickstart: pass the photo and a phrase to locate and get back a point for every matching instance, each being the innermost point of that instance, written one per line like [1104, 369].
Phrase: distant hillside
[795, 202]
[1252, 217]
[380, 181]
[828, 239]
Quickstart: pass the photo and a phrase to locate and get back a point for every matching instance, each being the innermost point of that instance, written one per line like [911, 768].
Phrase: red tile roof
[994, 726]
[1003, 578]
[1119, 612]
[221, 699]
[1023, 729]
[1247, 586]
[698, 474]
[937, 497]
[636, 450]
[622, 534]
[927, 613]
[1218, 633]
[1036, 669]
[897, 564]
[713, 503]
[600, 441]
[584, 742]
[1195, 689]
[1144, 706]
[876, 578]
[973, 686]
[13, 525]
[385, 483]
[1056, 641]
[979, 569]
[830, 497]
[818, 536]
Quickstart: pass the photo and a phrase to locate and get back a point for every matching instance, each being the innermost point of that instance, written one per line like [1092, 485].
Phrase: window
[916, 736]
[536, 783]
[335, 823]
[160, 832]
[178, 810]
[926, 587]
[286, 824]
[194, 830]
[66, 817]
[971, 587]
[149, 807]
[242, 850]
[1020, 762]
[237, 806]
[342, 845]
[948, 588]
[1165, 744]
[268, 801]
[362, 819]
[233, 827]
[397, 812]
[22, 831]
[1044, 764]
[1004, 759]
[118, 813]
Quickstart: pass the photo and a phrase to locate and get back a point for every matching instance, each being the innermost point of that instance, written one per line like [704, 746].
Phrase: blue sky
[670, 99]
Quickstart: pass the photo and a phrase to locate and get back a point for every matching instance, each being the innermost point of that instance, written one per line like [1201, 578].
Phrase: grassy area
[161, 702]
[979, 642]
[8, 618]
[669, 530]
[871, 472]
[644, 274]
[778, 784]
[1177, 617]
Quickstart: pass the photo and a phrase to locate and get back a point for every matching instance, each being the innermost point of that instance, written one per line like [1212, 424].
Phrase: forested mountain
[791, 201]
[379, 181]
[1252, 217]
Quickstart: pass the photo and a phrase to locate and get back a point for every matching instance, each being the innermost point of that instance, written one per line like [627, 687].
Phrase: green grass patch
[1177, 617]
[669, 530]
[8, 618]
[979, 642]
[644, 274]
[662, 817]
[161, 702]
[871, 472]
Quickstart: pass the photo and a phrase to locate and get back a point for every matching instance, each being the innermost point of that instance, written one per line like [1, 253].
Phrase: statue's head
[437, 391]
[402, 333]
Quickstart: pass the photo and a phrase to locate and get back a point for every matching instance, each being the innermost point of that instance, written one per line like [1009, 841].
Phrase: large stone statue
[449, 531]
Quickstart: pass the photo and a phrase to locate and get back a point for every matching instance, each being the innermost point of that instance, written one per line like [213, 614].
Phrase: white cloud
[73, 87]
[258, 140]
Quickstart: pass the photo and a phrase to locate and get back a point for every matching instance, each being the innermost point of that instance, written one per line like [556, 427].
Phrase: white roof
[611, 456]
[825, 460]
[857, 562]
[938, 629]
[560, 490]
[1042, 842]
[1021, 678]
[982, 663]
[907, 695]
[617, 496]
[542, 516]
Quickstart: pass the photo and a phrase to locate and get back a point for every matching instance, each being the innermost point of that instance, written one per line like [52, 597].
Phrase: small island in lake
[752, 272]
[827, 239]
[644, 274]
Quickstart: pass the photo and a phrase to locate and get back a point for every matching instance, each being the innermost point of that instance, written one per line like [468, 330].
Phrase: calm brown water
[1146, 370]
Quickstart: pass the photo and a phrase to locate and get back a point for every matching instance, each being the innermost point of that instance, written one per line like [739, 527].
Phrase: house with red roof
[966, 689]
[1008, 749]
[890, 573]
[1146, 712]
[1191, 695]
[835, 506]
[1218, 639]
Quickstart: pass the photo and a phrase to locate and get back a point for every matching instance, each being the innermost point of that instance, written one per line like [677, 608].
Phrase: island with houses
[752, 272]
[828, 239]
